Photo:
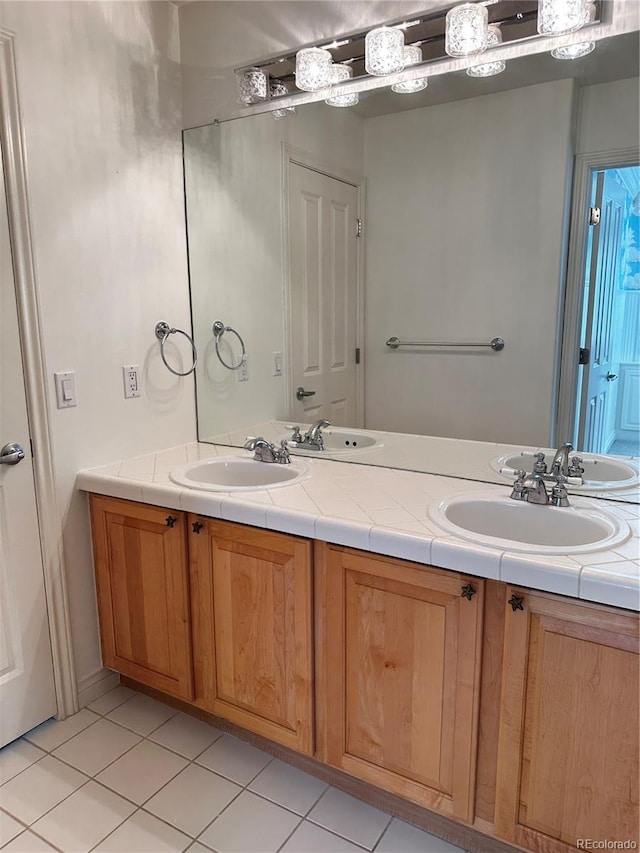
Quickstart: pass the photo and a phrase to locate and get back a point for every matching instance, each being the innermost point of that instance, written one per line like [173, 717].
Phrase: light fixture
[490, 69]
[338, 74]
[575, 51]
[312, 68]
[412, 56]
[466, 29]
[557, 17]
[252, 85]
[384, 51]
[277, 90]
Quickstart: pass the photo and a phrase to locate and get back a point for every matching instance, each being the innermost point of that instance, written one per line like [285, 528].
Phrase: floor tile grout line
[48, 811]
[384, 832]
[62, 742]
[42, 838]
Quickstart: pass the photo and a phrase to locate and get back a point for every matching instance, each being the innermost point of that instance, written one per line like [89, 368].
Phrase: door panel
[323, 271]
[403, 678]
[27, 693]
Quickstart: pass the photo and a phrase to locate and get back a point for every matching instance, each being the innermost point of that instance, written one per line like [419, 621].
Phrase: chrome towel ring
[219, 329]
[163, 330]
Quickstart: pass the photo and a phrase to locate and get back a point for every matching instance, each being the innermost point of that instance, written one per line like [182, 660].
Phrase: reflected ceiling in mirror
[461, 195]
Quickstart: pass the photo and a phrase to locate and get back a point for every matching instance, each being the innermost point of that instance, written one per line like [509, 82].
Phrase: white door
[323, 269]
[27, 694]
[597, 408]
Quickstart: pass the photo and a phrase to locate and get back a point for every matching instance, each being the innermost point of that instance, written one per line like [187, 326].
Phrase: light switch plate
[66, 389]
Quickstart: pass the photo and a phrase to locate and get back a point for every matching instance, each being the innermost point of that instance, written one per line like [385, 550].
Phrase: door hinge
[357, 355]
[358, 227]
[584, 356]
[594, 216]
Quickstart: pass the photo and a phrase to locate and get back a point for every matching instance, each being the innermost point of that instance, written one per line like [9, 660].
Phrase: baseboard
[95, 685]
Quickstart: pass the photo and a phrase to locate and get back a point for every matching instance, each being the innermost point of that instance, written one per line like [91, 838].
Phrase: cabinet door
[401, 663]
[568, 739]
[253, 634]
[143, 593]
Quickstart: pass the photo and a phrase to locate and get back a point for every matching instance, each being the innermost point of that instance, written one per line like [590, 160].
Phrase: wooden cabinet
[401, 669]
[143, 593]
[253, 629]
[568, 735]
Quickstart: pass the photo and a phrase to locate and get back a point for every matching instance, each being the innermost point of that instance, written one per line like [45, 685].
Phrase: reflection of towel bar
[496, 344]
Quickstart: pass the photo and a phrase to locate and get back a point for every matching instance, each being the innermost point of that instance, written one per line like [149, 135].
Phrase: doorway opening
[608, 387]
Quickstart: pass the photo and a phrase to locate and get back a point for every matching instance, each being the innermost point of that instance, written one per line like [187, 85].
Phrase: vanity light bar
[519, 22]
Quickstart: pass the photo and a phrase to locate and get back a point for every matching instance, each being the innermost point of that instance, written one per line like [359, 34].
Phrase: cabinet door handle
[170, 520]
[516, 602]
[197, 526]
[467, 591]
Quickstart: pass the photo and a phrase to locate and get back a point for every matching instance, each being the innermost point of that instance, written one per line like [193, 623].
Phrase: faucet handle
[559, 496]
[576, 469]
[539, 466]
[519, 492]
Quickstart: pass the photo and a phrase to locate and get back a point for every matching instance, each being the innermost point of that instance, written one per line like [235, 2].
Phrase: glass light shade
[277, 90]
[312, 68]
[384, 51]
[466, 30]
[490, 69]
[252, 85]
[574, 51]
[338, 74]
[412, 56]
[557, 17]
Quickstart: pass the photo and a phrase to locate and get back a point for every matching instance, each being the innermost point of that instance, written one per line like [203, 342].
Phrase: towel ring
[163, 330]
[219, 329]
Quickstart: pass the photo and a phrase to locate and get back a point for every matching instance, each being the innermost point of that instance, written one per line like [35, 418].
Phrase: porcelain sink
[500, 522]
[600, 472]
[237, 474]
[338, 440]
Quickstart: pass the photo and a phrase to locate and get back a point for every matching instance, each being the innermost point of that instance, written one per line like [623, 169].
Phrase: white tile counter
[382, 510]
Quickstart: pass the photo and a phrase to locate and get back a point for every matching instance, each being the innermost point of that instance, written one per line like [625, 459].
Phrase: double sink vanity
[466, 661]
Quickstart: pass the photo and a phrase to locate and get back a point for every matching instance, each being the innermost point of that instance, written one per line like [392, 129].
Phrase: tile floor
[131, 775]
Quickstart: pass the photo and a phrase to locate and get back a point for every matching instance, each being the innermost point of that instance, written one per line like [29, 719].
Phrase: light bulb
[277, 90]
[252, 85]
[466, 30]
[312, 68]
[490, 69]
[557, 17]
[412, 56]
[338, 74]
[384, 51]
[575, 51]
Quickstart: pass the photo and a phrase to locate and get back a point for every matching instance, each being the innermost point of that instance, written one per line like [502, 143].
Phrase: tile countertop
[382, 510]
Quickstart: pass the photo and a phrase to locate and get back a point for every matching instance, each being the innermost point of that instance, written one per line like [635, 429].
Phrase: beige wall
[100, 93]
[609, 116]
[464, 229]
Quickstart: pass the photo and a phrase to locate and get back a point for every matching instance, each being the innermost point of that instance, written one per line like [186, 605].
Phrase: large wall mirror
[447, 217]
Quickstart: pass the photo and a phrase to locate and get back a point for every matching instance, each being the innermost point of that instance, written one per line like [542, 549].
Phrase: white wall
[234, 186]
[464, 242]
[100, 93]
[217, 37]
[609, 116]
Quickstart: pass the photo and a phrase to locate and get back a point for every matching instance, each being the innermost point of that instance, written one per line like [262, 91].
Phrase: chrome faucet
[531, 488]
[312, 439]
[560, 464]
[265, 452]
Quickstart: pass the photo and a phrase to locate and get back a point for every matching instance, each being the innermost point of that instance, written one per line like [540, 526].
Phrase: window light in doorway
[490, 69]
[466, 29]
[312, 68]
[338, 74]
[384, 51]
[412, 56]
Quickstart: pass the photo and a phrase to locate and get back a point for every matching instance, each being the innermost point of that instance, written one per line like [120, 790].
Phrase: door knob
[11, 454]
[301, 393]
[611, 377]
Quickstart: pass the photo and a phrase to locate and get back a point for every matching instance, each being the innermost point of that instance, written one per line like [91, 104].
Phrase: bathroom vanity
[447, 682]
